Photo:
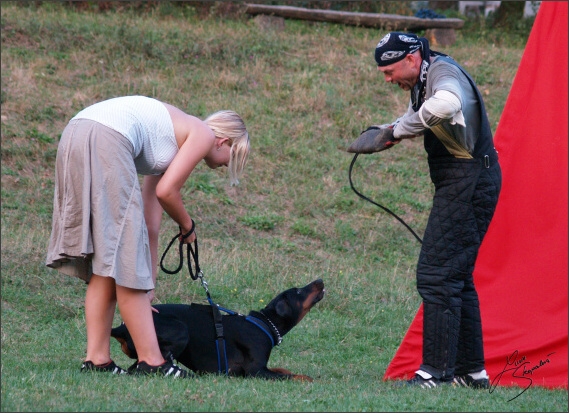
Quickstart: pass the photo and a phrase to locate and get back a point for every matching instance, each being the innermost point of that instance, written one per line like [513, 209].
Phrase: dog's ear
[283, 309]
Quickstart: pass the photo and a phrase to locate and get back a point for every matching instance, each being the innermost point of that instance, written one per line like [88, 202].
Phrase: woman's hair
[228, 124]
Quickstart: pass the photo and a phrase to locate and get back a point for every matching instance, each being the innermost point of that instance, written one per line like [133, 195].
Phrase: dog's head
[289, 307]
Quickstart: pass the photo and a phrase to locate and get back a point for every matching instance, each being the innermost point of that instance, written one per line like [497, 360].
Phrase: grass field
[305, 92]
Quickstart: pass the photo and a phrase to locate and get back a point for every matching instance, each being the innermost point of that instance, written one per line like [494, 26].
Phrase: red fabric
[522, 267]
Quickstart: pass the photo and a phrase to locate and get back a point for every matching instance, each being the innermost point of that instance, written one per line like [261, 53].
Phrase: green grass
[305, 93]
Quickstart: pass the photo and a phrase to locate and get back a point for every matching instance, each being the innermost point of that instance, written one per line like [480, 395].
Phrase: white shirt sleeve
[441, 106]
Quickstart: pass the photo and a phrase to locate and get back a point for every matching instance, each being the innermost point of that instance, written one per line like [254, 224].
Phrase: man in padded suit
[447, 109]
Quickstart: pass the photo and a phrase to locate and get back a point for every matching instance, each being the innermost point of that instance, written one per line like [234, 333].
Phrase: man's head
[398, 57]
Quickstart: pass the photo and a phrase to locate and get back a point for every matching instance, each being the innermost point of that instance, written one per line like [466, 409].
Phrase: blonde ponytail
[228, 124]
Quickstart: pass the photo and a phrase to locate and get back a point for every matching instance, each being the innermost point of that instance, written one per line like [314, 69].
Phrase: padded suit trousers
[466, 194]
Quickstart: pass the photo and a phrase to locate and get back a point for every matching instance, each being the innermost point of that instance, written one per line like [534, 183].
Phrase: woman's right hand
[189, 238]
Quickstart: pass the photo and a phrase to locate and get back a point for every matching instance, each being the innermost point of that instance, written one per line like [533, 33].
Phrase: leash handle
[177, 270]
[193, 253]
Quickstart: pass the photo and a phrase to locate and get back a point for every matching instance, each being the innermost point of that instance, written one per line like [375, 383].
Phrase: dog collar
[272, 332]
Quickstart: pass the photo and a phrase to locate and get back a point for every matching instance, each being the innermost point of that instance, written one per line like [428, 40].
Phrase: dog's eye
[298, 291]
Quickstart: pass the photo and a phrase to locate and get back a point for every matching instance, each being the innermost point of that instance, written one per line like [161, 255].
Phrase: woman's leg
[100, 303]
[136, 313]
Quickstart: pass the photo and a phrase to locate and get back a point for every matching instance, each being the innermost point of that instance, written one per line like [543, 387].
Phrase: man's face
[403, 73]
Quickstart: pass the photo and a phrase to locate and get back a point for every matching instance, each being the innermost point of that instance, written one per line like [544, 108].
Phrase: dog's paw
[289, 374]
[301, 377]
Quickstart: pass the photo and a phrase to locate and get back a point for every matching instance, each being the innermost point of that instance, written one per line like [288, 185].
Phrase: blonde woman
[105, 227]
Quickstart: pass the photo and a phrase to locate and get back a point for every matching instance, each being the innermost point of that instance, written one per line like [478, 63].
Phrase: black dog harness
[272, 332]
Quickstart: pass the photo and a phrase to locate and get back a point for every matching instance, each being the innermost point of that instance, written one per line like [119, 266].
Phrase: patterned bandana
[394, 47]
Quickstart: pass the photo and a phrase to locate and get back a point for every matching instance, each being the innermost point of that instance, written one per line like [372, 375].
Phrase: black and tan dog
[187, 334]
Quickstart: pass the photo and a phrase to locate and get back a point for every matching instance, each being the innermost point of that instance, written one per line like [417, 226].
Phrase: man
[447, 109]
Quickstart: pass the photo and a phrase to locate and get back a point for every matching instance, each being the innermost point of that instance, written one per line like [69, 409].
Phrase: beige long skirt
[98, 222]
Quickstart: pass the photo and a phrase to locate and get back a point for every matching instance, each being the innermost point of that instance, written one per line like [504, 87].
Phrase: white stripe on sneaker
[460, 381]
[428, 384]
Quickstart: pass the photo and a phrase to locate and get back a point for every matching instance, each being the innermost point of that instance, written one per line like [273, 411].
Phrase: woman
[105, 228]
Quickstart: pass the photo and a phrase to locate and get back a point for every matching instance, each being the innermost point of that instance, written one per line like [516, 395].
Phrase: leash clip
[203, 281]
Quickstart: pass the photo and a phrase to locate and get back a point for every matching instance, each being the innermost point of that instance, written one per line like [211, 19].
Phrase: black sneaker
[132, 368]
[429, 383]
[166, 369]
[467, 381]
[168, 357]
[109, 367]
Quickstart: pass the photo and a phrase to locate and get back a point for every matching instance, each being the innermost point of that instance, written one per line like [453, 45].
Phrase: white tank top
[145, 122]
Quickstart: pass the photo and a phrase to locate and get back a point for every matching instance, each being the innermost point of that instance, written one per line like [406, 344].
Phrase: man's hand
[374, 139]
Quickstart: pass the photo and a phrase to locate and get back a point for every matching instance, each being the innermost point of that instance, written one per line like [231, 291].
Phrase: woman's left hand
[151, 296]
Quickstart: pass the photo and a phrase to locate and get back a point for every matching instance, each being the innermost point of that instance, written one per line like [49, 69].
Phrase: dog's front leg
[280, 374]
[290, 375]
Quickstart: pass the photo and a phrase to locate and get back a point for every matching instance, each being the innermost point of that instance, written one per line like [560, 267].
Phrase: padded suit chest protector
[484, 145]
[466, 194]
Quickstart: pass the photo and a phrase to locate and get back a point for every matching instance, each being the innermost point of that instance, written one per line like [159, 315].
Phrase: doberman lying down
[187, 334]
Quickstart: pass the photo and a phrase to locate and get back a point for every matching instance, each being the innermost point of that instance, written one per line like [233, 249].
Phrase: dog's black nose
[318, 282]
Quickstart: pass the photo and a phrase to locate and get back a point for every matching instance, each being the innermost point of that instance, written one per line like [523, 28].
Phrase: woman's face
[219, 155]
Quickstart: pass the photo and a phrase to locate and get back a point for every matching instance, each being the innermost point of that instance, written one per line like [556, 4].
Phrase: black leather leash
[375, 203]
[192, 254]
